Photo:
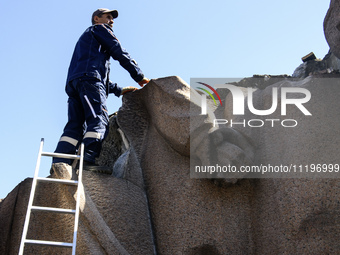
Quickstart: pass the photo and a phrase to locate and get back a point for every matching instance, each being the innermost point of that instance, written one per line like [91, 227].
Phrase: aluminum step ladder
[31, 207]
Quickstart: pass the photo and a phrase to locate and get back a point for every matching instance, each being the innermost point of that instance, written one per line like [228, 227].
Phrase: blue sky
[188, 38]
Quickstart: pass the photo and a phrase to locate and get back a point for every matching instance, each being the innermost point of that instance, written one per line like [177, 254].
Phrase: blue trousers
[87, 119]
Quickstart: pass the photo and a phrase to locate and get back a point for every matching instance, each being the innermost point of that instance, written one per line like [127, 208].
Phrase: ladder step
[49, 243]
[31, 208]
[70, 182]
[52, 209]
[60, 155]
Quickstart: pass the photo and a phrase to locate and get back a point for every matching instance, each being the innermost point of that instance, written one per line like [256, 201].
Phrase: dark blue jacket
[91, 57]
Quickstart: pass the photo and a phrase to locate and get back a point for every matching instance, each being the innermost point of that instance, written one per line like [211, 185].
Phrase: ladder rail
[79, 190]
[30, 202]
[31, 208]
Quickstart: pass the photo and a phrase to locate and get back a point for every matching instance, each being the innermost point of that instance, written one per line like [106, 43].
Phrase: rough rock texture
[332, 27]
[114, 145]
[297, 216]
[253, 216]
[114, 217]
[187, 214]
[329, 64]
[198, 216]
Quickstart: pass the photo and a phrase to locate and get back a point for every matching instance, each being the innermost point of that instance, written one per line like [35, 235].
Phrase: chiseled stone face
[252, 216]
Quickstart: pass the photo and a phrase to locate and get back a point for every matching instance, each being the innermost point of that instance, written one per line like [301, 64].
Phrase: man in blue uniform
[88, 86]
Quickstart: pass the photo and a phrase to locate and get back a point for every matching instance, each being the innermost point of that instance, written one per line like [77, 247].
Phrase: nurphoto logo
[239, 100]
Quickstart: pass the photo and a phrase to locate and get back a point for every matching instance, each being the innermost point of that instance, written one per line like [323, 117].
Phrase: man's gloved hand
[143, 82]
[128, 89]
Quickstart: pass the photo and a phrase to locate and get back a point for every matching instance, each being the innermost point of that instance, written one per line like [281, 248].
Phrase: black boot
[89, 166]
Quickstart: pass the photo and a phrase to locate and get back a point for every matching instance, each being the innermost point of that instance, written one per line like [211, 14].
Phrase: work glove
[143, 82]
[128, 89]
[114, 89]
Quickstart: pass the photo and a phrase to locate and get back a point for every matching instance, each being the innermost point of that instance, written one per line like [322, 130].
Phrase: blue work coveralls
[88, 86]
